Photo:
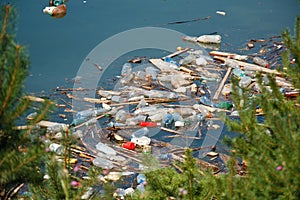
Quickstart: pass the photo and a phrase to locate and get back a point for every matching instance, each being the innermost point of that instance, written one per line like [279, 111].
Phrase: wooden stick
[93, 100]
[170, 130]
[219, 53]
[35, 99]
[250, 67]
[184, 69]
[216, 96]
[177, 53]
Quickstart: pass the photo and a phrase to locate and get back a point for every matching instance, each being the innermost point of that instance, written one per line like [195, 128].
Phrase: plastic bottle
[166, 156]
[224, 105]
[231, 63]
[238, 72]
[57, 148]
[141, 178]
[170, 60]
[121, 116]
[149, 124]
[126, 73]
[140, 75]
[215, 39]
[189, 38]
[261, 62]
[201, 61]
[152, 71]
[102, 163]
[118, 99]
[168, 120]
[135, 120]
[142, 103]
[206, 101]
[57, 128]
[105, 149]
[142, 141]
[129, 145]
[115, 124]
[141, 188]
[162, 94]
[245, 81]
[141, 132]
[126, 69]
[187, 60]
[177, 116]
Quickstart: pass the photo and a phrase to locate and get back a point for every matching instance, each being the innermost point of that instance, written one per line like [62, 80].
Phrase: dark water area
[57, 47]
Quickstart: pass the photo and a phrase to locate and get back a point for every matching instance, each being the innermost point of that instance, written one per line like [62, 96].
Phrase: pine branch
[3, 31]
[12, 83]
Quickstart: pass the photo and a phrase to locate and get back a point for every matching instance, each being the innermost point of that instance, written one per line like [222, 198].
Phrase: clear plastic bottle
[152, 71]
[238, 72]
[231, 63]
[162, 94]
[206, 101]
[135, 120]
[214, 39]
[141, 188]
[57, 148]
[245, 81]
[168, 120]
[166, 156]
[102, 163]
[140, 132]
[189, 38]
[201, 61]
[261, 62]
[170, 60]
[126, 73]
[187, 60]
[141, 178]
[118, 99]
[121, 116]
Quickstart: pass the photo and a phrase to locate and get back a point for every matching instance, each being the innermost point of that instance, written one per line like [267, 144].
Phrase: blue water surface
[57, 47]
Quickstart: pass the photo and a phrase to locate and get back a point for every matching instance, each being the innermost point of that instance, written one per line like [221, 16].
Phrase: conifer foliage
[21, 150]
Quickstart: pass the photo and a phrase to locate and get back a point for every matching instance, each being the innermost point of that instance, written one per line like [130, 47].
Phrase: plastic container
[168, 120]
[152, 71]
[201, 61]
[140, 132]
[115, 124]
[224, 105]
[119, 99]
[141, 178]
[102, 163]
[141, 188]
[238, 72]
[121, 116]
[170, 60]
[162, 94]
[166, 156]
[187, 60]
[231, 63]
[105, 149]
[141, 141]
[261, 62]
[135, 120]
[149, 124]
[213, 39]
[245, 81]
[126, 73]
[189, 38]
[57, 148]
[129, 145]
[206, 101]
[58, 127]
